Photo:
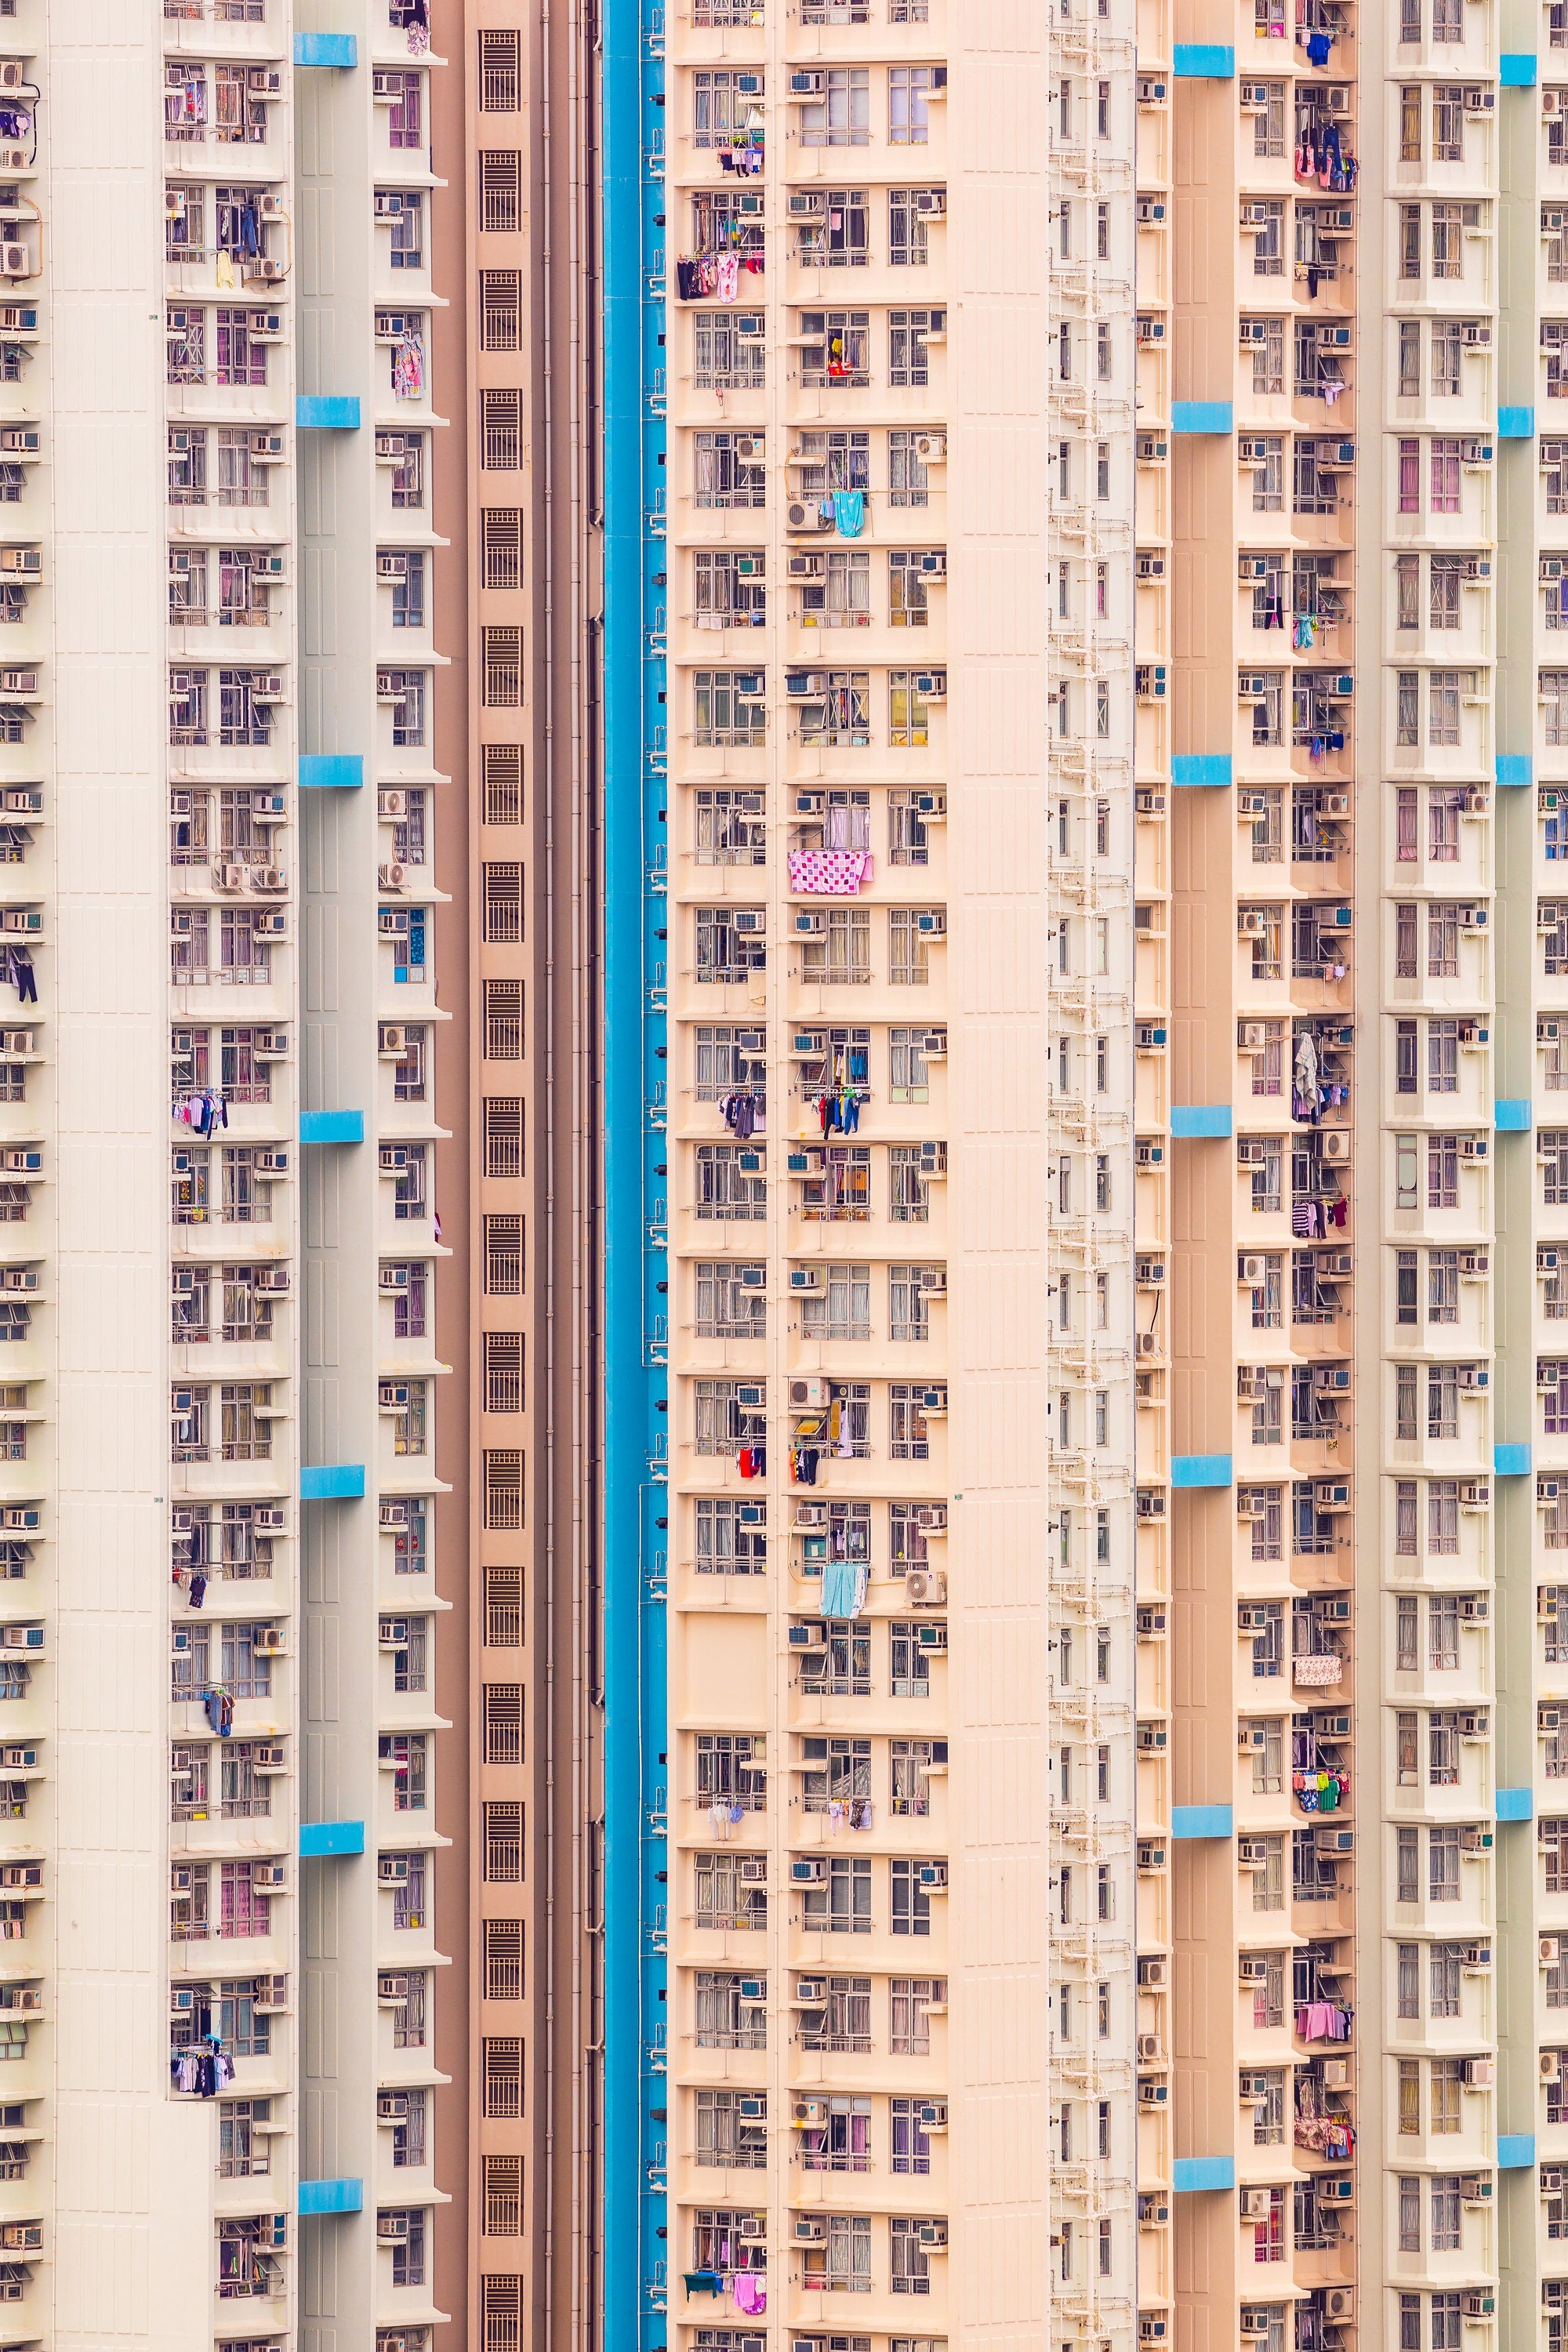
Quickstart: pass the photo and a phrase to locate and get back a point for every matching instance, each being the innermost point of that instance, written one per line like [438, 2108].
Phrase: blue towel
[849, 512]
[841, 1585]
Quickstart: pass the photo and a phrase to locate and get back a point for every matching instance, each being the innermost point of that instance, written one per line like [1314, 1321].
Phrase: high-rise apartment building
[296, 1524]
[781, 1204]
[838, 1902]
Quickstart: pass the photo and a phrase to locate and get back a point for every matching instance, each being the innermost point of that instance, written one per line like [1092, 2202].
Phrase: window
[500, 298]
[503, 1843]
[503, 1608]
[501, 681]
[729, 353]
[501, 537]
[908, 352]
[503, 1020]
[728, 707]
[841, 117]
[498, 73]
[730, 1890]
[503, 2214]
[501, 189]
[404, 117]
[504, 901]
[1443, 2208]
[503, 1723]
[910, 2262]
[408, 1908]
[731, 2132]
[842, 2262]
[841, 1903]
[503, 1488]
[504, 1135]
[722, 102]
[502, 2076]
[841, 953]
[504, 1256]
[911, 1899]
[503, 1959]
[501, 448]
[909, 91]
[503, 1372]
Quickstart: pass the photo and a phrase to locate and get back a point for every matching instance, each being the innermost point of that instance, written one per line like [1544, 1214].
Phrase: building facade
[824, 747]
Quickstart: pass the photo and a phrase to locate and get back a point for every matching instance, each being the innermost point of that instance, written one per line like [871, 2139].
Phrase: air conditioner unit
[931, 448]
[268, 1878]
[812, 1393]
[925, 1587]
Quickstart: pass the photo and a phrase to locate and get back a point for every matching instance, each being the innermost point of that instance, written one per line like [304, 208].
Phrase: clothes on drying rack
[741, 1113]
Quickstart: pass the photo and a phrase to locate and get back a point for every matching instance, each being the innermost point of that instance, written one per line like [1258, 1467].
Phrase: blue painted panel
[1514, 2150]
[1516, 69]
[1202, 416]
[1201, 1119]
[1200, 768]
[635, 1269]
[1514, 767]
[331, 770]
[1202, 1821]
[1511, 1461]
[337, 50]
[1512, 1115]
[322, 412]
[1204, 61]
[331, 2197]
[319, 1837]
[331, 1126]
[1192, 2174]
[1515, 1805]
[1515, 423]
[332, 1481]
[1201, 1470]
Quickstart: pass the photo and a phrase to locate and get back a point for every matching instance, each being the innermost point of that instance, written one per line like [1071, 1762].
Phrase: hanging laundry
[1317, 48]
[198, 1590]
[838, 1589]
[219, 1705]
[830, 873]
[727, 278]
[750, 2290]
[408, 369]
[687, 280]
[22, 975]
[849, 512]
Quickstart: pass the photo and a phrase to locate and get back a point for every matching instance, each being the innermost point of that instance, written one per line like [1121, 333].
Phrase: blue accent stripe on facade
[1200, 768]
[1200, 1119]
[1203, 1821]
[319, 1839]
[1201, 1470]
[331, 1126]
[331, 770]
[1202, 416]
[332, 1481]
[1193, 2175]
[327, 412]
[635, 1476]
